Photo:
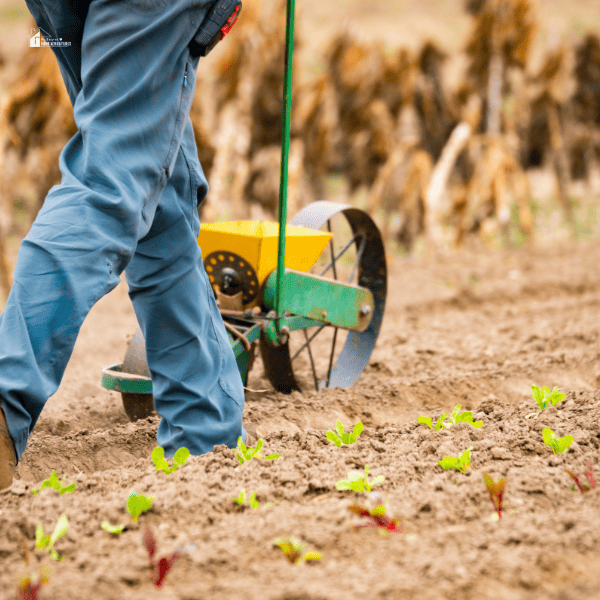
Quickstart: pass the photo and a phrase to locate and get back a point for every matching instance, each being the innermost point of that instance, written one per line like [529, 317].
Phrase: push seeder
[294, 290]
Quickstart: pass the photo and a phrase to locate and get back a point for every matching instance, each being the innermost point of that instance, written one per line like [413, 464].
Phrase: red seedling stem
[380, 521]
[589, 475]
[158, 570]
[30, 591]
[496, 491]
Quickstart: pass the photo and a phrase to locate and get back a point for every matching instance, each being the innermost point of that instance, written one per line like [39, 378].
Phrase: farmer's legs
[138, 79]
[197, 387]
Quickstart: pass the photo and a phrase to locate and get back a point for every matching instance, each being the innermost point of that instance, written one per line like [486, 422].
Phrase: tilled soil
[475, 328]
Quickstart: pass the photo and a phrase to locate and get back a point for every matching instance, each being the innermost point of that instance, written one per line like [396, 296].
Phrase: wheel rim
[346, 359]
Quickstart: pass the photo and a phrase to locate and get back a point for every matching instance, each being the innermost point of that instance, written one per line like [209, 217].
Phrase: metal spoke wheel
[327, 356]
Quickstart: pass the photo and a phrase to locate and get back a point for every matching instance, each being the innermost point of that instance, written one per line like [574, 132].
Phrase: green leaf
[272, 456]
[55, 555]
[242, 496]
[60, 529]
[440, 422]
[68, 489]
[346, 438]
[158, 455]
[114, 529]
[537, 396]
[378, 479]
[343, 485]
[465, 459]
[556, 396]
[449, 462]
[455, 413]
[312, 556]
[334, 438]
[181, 456]
[259, 444]
[425, 421]
[253, 502]
[358, 428]
[339, 428]
[564, 443]
[550, 438]
[137, 504]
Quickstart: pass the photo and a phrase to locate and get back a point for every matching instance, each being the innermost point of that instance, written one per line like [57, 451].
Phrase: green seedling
[179, 458]
[250, 453]
[114, 529]
[357, 482]
[342, 437]
[291, 547]
[496, 491]
[557, 444]
[137, 504]
[29, 587]
[47, 541]
[52, 482]
[462, 462]
[544, 398]
[242, 497]
[455, 417]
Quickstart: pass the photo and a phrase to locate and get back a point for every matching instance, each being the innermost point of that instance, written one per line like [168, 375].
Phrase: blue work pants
[127, 201]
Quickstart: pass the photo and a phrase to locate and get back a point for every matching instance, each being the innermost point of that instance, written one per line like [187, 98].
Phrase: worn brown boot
[254, 433]
[8, 456]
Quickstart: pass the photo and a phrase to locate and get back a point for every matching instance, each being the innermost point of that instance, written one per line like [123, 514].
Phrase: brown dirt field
[476, 328]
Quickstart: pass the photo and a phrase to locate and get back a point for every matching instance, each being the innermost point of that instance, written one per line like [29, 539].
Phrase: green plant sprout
[137, 504]
[291, 547]
[357, 482]
[544, 397]
[342, 437]
[179, 458]
[47, 541]
[242, 497]
[52, 482]
[462, 462]
[455, 417]
[29, 587]
[114, 529]
[557, 444]
[250, 453]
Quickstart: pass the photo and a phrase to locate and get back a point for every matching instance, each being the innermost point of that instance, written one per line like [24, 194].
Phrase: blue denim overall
[131, 183]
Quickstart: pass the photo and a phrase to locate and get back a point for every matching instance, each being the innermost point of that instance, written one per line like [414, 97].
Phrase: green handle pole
[285, 146]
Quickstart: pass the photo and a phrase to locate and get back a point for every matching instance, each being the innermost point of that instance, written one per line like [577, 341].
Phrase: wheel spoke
[332, 252]
[331, 356]
[309, 340]
[336, 258]
[358, 257]
[312, 362]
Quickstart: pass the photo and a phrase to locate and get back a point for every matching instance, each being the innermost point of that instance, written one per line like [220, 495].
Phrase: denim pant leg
[197, 387]
[137, 85]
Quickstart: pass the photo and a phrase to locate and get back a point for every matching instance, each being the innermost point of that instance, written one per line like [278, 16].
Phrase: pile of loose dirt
[475, 328]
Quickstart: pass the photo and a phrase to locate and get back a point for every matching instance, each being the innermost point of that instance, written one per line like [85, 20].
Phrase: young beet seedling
[291, 547]
[357, 482]
[242, 497]
[462, 462]
[589, 475]
[52, 482]
[496, 491]
[544, 397]
[342, 437]
[455, 417]
[377, 518]
[29, 587]
[250, 453]
[557, 444]
[158, 570]
[179, 458]
[47, 541]
[137, 504]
